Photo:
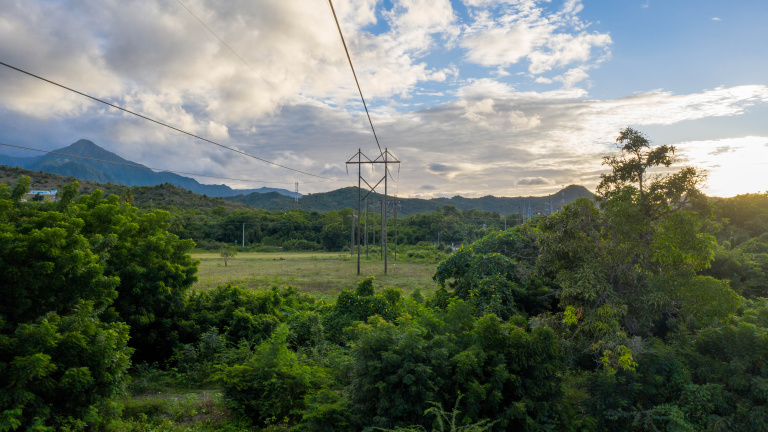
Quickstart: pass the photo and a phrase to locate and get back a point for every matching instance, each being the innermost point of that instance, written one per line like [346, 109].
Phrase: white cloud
[572, 76]
[526, 31]
[477, 110]
[565, 49]
[485, 135]
[520, 121]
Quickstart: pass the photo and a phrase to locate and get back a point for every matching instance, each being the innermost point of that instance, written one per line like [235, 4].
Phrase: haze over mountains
[105, 172]
[263, 198]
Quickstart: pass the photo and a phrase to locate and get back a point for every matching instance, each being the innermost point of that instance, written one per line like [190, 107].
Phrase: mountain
[90, 166]
[128, 174]
[169, 196]
[347, 197]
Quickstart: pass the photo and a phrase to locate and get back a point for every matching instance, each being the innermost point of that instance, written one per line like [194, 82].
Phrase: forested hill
[168, 196]
[116, 170]
[347, 197]
[163, 196]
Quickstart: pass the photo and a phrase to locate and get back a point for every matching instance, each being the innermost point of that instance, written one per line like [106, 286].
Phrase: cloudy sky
[475, 97]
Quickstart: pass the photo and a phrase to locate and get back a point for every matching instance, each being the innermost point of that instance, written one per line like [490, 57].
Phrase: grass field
[321, 274]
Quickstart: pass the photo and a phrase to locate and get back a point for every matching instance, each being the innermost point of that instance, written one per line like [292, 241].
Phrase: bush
[270, 386]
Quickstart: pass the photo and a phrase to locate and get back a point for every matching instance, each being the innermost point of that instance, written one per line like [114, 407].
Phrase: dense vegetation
[645, 310]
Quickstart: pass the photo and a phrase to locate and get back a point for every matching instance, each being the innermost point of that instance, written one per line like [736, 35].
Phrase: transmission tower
[385, 158]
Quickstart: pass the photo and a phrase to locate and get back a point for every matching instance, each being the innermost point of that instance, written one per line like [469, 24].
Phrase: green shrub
[270, 386]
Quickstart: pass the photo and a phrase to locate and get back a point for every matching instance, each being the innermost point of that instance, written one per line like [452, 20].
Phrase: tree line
[644, 310]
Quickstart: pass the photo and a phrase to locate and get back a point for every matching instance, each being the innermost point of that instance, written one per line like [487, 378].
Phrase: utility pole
[366, 228]
[359, 177]
[243, 235]
[385, 158]
[373, 225]
[395, 205]
[352, 234]
[384, 235]
[296, 198]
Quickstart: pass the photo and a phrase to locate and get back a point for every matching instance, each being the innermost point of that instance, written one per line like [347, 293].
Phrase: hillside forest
[643, 309]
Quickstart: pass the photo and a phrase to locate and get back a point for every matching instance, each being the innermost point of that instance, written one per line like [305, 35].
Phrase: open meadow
[322, 274]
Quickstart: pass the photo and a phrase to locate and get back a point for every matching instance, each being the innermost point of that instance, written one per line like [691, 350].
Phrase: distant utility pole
[395, 207]
[243, 235]
[562, 197]
[366, 227]
[382, 232]
[373, 224]
[352, 234]
[296, 198]
[385, 158]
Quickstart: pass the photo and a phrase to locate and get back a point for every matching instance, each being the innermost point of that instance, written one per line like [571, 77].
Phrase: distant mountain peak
[90, 162]
[84, 147]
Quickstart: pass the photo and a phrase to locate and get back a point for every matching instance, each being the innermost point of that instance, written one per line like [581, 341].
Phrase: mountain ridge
[132, 174]
[129, 174]
[347, 197]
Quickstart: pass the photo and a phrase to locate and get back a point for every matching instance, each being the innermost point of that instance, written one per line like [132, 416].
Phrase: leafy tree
[228, 252]
[270, 386]
[153, 266]
[627, 269]
[59, 362]
[504, 372]
[22, 188]
[497, 273]
[358, 305]
[630, 167]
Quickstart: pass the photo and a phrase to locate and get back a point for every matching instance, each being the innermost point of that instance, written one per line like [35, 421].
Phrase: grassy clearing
[321, 274]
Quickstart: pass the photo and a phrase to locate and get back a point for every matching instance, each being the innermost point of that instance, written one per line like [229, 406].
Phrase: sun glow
[734, 165]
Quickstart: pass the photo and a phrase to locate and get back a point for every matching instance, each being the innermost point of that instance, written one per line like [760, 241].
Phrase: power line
[166, 125]
[210, 30]
[230, 48]
[142, 166]
[355, 75]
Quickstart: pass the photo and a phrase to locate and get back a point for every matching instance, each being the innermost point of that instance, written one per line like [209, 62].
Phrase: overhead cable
[166, 125]
[142, 166]
[210, 30]
[229, 47]
[355, 75]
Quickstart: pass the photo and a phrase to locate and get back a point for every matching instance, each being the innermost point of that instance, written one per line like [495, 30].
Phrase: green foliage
[358, 305]
[629, 267]
[244, 314]
[270, 386]
[496, 272]
[59, 369]
[47, 265]
[326, 410]
[227, 252]
[746, 216]
[745, 267]
[204, 412]
[58, 361]
[154, 268]
[22, 188]
[504, 372]
[446, 422]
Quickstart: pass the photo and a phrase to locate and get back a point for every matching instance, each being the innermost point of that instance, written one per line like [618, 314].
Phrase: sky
[473, 97]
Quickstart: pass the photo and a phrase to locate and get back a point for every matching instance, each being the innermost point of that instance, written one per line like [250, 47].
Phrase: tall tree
[628, 270]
